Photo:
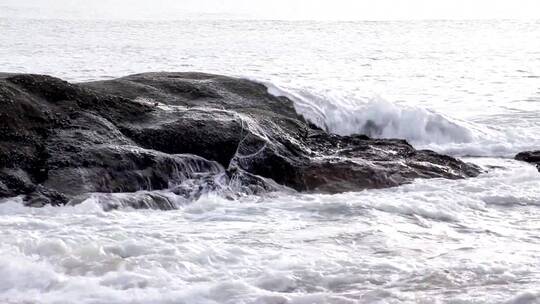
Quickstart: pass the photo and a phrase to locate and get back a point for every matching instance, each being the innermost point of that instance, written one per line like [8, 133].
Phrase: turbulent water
[467, 88]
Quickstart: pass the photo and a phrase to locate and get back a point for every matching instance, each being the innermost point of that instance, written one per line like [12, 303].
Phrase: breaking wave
[424, 128]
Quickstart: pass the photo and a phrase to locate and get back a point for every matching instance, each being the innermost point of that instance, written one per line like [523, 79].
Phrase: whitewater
[470, 89]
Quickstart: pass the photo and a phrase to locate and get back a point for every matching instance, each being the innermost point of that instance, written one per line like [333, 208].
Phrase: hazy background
[275, 9]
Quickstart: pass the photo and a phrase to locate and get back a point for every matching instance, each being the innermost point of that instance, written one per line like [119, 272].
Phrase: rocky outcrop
[191, 132]
[532, 157]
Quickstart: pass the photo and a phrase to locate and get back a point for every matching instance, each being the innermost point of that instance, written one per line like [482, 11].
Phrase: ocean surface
[470, 89]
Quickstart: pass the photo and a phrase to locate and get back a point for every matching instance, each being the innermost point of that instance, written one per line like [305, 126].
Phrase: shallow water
[434, 241]
[467, 88]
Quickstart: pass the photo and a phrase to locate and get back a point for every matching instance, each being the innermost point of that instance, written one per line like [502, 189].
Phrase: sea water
[470, 89]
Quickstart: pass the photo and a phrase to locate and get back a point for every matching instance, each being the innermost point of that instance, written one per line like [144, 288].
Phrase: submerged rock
[532, 157]
[154, 131]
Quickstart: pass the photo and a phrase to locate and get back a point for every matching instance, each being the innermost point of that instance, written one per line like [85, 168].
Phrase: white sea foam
[422, 127]
[403, 245]
[378, 118]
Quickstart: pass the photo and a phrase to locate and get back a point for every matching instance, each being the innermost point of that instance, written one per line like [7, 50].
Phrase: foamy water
[467, 88]
[469, 241]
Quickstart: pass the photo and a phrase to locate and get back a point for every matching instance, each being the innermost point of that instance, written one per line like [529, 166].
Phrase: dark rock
[187, 132]
[532, 157]
[138, 200]
[42, 196]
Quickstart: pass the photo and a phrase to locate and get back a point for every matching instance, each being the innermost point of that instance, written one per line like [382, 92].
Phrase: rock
[532, 157]
[187, 132]
[42, 196]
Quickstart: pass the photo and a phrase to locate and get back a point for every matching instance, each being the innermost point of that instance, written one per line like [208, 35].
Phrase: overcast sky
[272, 9]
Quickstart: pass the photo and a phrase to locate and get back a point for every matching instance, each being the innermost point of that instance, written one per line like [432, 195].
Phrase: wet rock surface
[188, 132]
[532, 157]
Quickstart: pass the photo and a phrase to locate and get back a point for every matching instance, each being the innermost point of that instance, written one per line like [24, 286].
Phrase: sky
[272, 9]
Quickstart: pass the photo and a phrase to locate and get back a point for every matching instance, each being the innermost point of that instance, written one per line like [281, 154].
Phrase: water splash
[422, 127]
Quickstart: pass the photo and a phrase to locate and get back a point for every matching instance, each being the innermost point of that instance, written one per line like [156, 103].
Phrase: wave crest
[377, 118]
[423, 128]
